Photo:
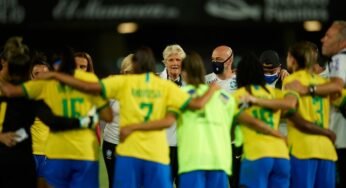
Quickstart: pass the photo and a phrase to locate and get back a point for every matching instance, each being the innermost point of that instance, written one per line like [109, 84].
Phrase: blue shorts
[132, 172]
[40, 161]
[61, 173]
[204, 178]
[312, 173]
[265, 172]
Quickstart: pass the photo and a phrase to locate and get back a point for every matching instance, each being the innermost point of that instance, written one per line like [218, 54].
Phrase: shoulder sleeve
[85, 76]
[285, 81]
[233, 104]
[238, 93]
[278, 94]
[111, 86]
[285, 93]
[55, 123]
[99, 102]
[33, 89]
[176, 98]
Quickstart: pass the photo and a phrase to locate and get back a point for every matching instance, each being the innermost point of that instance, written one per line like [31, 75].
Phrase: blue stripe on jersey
[225, 96]
[191, 91]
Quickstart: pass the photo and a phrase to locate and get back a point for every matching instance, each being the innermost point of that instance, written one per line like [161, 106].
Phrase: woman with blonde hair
[313, 154]
[173, 55]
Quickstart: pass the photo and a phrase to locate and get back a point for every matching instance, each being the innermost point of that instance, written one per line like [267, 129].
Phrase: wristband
[85, 122]
[312, 89]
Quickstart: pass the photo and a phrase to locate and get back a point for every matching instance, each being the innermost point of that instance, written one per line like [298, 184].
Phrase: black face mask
[218, 67]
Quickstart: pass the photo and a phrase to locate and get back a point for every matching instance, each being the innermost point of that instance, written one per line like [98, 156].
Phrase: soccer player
[313, 154]
[263, 153]
[203, 135]
[334, 47]
[73, 155]
[16, 117]
[39, 130]
[142, 160]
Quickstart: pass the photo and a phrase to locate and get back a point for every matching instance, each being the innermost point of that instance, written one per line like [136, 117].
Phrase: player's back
[68, 102]
[144, 97]
[204, 135]
[316, 110]
[258, 145]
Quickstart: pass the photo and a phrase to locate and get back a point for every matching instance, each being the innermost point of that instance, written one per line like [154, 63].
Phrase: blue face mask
[270, 78]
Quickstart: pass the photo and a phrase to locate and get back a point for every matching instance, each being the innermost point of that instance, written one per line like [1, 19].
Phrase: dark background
[191, 26]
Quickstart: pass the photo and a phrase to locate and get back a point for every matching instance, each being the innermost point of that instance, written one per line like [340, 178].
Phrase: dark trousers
[173, 155]
[341, 168]
[236, 159]
[17, 169]
[108, 150]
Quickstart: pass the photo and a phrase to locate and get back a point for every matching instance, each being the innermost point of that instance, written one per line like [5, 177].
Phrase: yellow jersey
[144, 97]
[256, 144]
[39, 133]
[340, 101]
[314, 109]
[65, 101]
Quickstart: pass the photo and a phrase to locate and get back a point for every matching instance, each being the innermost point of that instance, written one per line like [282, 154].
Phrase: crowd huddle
[255, 124]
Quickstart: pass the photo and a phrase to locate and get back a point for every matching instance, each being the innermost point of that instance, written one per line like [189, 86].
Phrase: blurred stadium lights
[312, 26]
[127, 27]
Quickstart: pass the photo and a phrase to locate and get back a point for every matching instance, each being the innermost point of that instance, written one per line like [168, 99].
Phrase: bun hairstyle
[14, 46]
[16, 55]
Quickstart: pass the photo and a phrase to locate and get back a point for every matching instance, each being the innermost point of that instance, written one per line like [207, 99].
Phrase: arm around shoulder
[10, 90]
[307, 127]
[335, 85]
[88, 87]
[199, 102]
[147, 126]
[258, 125]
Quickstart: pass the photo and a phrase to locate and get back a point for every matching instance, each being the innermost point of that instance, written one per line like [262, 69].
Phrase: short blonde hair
[126, 64]
[173, 49]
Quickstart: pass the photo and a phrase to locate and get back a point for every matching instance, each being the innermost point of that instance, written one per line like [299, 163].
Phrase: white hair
[173, 49]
